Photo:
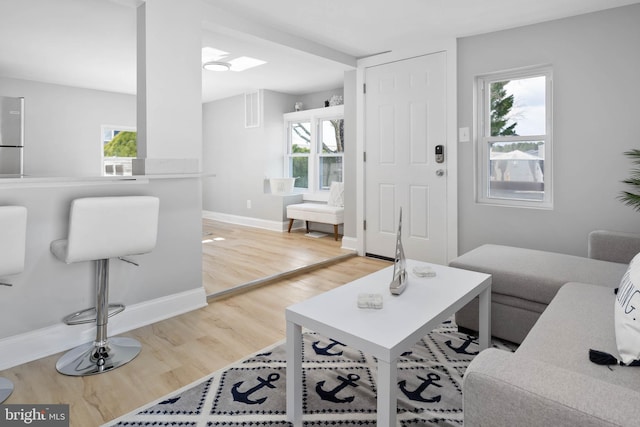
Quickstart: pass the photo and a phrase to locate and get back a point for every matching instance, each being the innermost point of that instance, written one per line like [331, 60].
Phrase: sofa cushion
[316, 212]
[578, 319]
[614, 246]
[314, 207]
[536, 275]
[503, 390]
[626, 314]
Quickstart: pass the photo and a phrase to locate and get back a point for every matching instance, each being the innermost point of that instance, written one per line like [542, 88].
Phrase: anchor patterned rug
[339, 387]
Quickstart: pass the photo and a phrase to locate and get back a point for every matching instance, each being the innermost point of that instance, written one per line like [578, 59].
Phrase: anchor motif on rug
[324, 351]
[243, 397]
[331, 395]
[416, 395]
[463, 347]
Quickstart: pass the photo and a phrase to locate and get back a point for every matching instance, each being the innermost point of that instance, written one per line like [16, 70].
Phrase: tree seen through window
[119, 147]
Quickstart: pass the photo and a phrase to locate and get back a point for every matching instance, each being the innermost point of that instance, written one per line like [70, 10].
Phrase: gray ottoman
[524, 283]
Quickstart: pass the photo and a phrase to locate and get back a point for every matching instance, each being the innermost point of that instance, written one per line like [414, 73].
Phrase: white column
[169, 93]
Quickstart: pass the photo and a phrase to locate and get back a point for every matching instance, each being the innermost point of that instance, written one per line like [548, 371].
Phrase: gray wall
[167, 282]
[596, 65]
[241, 159]
[317, 99]
[48, 289]
[62, 125]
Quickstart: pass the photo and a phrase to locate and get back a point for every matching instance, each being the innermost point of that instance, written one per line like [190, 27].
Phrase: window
[331, 147]
[119, 147]
[514, 138]
[299, 151]
[315, 147]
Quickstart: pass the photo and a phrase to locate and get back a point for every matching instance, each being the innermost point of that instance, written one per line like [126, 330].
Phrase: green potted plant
[627, 197]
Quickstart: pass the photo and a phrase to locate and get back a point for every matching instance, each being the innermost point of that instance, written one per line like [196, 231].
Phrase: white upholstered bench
[330, 213]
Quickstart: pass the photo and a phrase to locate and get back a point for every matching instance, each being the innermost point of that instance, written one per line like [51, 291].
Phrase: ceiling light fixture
[216, 66]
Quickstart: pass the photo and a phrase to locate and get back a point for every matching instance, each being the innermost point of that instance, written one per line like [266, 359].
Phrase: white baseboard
[44, 342]
[350, 243]
[247, 221]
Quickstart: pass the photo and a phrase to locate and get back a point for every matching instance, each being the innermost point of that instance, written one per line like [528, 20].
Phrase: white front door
[405, 119]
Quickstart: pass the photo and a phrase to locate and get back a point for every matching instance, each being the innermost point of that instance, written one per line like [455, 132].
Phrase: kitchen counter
[40, 181]
[167, 282]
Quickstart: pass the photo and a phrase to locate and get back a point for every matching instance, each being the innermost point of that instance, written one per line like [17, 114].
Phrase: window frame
[321, 155]
[484, 139]
[315, 117]
[290, 155]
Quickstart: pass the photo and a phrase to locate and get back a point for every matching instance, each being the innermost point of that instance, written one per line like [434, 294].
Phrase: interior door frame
[448, 46]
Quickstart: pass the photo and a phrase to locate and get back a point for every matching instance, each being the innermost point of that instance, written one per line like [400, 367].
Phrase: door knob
[440, 172]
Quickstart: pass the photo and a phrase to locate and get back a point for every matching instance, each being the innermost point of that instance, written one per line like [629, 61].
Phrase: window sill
[518, 203]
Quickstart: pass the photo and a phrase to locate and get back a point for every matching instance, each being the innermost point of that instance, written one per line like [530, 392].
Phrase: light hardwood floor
[233, 255]
[180, 350]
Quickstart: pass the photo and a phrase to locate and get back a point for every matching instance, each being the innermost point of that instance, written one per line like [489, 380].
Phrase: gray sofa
[524, 281]
[549, 380]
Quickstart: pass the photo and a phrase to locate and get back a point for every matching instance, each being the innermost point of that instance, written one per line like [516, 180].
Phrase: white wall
[596, 64]
[62, 125]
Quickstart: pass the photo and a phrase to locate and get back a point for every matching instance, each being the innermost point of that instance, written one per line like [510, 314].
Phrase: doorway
[405, 123]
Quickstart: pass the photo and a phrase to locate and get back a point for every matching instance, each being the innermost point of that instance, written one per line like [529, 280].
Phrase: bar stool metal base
[90, 315]
[92, 358]
[6, 388]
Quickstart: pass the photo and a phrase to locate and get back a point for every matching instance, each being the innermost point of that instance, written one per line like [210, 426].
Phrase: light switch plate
[463, 134]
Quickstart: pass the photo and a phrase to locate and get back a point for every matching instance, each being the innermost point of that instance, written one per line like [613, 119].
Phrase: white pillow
[627, 313]
[336, 194]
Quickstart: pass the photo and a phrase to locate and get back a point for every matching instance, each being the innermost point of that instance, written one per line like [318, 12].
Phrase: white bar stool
[13, 229]
[101, 228]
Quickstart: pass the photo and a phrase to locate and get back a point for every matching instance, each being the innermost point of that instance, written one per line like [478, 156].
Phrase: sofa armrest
[613, 246]
[504, 389]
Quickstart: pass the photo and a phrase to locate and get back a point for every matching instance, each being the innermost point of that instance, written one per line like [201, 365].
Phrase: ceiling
[91, 43]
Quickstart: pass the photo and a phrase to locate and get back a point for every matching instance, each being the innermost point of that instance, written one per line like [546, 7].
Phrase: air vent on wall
[252, 109]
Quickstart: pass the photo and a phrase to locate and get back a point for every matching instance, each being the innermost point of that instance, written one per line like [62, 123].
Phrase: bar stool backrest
[109, 227]
[13, 233]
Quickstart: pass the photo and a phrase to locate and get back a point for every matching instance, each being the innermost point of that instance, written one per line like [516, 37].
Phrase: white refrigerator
[11, 135]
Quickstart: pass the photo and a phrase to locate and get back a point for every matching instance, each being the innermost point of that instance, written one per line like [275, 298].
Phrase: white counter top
[21, 181]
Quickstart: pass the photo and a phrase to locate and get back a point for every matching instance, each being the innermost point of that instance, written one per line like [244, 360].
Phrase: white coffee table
[385, 333]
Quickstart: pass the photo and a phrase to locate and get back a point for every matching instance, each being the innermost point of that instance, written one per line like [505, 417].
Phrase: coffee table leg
[485, 319]
[387, 393]
[294, 374]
